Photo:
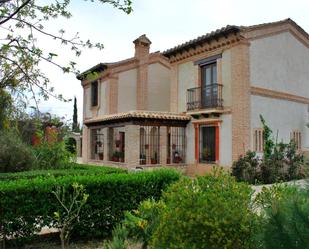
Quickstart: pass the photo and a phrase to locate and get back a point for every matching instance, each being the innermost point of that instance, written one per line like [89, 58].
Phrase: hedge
[77, 169]
[27, 205]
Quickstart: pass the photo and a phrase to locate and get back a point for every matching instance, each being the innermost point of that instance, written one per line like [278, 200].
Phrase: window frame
[296, 137]
[258, 140]
[94, 93]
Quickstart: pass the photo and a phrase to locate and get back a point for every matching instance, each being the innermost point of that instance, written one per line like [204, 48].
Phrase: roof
[287, 20]
[225, 31]
[141, 114]
[97, 68]
[142, 39]
[229, 29]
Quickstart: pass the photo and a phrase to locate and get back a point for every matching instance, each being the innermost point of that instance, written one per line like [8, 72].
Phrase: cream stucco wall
[127, 91]
[225, 141]
[190, 140]
[187, 74]
[103, 97]
[280, 63]
[226, 78]
[87, 102]
[282, 116]
[158, 88]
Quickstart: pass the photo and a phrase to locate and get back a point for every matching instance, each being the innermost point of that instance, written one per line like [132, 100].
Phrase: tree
[75, 127]
[22, 23]
[71, 205]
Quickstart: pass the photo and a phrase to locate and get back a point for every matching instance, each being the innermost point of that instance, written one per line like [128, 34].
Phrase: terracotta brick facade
[240, 100]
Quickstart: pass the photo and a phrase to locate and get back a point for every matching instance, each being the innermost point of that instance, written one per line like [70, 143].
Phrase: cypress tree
[75, 124]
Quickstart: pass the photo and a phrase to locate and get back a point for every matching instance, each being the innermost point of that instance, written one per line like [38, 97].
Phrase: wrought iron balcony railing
[205, 97]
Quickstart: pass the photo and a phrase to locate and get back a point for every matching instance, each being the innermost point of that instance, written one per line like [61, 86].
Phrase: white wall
[225, 141]
[226, 78]
[186, 79]
[87, 102]
[284, 116]
[127, 91]
[103, 95]
[280, 63]
[190, 139]
[158, 88]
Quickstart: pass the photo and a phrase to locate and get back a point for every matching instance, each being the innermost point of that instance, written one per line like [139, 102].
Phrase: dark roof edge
[229, 29]
[97, 68]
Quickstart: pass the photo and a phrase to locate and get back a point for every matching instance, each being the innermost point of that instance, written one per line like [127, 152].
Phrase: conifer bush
[15, 155]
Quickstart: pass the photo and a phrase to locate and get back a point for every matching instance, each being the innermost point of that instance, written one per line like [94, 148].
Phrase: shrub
[138, 225]
[208, 212]
[280, 162]
[14, 154]
[75, 170]
[27, 205]
[53, 154]
[246, 168]
[286, 212]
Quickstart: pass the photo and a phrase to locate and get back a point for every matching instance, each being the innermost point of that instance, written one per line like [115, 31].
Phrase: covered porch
[136, 139]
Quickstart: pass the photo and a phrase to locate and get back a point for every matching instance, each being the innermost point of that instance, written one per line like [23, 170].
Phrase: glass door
[209, 85]
[207, 148]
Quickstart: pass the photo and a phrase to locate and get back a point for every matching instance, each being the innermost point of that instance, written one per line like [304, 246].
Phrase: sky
[166, 23]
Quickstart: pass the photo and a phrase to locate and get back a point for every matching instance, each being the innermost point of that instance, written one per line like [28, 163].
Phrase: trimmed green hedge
[26, 205]
[77, 169]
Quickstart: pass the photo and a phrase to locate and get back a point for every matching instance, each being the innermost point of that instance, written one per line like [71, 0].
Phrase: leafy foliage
[23, 201]
[52, 153]
[246, 168]
[280, 162]
[14, 154]
[138, 225]
[23, 23]
[286, 214]
[268, 142]
[207, 212]
[74, 170]
[71, 205]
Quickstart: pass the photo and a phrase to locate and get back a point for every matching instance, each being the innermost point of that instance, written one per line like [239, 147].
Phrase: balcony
[207, 97]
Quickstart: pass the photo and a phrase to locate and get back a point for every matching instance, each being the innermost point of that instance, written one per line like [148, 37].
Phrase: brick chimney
[142, 46]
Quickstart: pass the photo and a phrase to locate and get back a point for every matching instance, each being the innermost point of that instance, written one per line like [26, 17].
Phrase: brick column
[86, 144]
[163, 144]
[106, 143]
[240, 99]
[142, 87]
[132, 145]
[113, 95]
[174, 88]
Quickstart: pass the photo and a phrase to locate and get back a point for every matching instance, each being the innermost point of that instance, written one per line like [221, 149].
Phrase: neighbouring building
[198, 104]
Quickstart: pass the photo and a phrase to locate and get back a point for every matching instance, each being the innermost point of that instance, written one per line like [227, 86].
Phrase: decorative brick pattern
[174, 88]
[113, 95]
[240, 100]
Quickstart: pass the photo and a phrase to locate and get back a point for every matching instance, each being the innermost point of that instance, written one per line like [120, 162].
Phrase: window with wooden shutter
[258, 140]
[296, 137]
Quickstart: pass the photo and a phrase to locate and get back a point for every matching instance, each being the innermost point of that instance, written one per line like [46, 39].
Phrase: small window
[296, 137]
[94, 93]
[258, 140]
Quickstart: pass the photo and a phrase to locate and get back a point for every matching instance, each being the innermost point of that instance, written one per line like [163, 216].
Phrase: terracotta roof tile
[141, 114]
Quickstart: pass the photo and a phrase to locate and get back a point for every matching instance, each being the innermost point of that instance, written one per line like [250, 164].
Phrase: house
[199, 103]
